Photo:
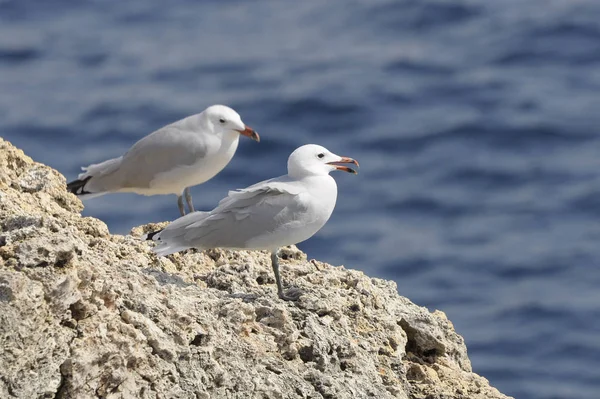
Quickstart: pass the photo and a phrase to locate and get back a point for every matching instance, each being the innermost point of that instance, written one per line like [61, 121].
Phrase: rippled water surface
[475, 123]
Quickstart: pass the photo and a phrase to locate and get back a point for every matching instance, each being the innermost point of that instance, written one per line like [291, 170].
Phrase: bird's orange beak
[344, 168]
[249, 132]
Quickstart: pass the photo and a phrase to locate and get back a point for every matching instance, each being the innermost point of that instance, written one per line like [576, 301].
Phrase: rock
[87, 314]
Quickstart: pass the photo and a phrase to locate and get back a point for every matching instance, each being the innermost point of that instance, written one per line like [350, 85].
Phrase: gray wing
[241, 217]
[162, 151]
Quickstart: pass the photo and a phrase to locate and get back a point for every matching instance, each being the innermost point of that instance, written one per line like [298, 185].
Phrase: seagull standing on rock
[170, 160]
[268, 215]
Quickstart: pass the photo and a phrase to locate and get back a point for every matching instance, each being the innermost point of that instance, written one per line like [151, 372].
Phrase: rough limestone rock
[86, 314]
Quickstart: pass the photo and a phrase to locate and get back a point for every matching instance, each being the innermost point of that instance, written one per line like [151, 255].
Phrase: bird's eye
[321, 155]
[222, 120]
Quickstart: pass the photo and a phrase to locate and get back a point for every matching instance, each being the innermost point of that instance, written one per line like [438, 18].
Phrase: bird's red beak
[344, 168]
[249, 132]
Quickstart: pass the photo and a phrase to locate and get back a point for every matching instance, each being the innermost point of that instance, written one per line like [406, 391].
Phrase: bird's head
[312, 159]
[223, 119]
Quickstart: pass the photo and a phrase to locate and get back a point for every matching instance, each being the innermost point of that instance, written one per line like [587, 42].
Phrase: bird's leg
[180, 205]
[275, 265]
[188, 199]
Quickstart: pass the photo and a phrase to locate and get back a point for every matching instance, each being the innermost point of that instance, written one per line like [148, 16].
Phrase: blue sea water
[476, 125]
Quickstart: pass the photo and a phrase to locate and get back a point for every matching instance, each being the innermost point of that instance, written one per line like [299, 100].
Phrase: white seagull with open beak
[268, 215]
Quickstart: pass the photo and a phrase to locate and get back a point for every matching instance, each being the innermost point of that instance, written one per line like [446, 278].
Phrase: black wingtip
[150, 236]
[77, 187]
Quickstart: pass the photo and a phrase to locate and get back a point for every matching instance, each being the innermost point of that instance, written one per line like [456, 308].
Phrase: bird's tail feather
[163, 248]
[102, 168]
[92, 182]
[171, 239]
[151, 236]
[77, 187]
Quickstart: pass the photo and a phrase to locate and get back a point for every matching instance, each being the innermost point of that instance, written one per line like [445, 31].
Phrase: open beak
[249, 132]
[344, 168]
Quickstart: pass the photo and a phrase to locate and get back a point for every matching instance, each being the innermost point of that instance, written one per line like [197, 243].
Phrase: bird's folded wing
[244, 214]
[246, 197]
[240, 217]
[236, 201]
[162, 151]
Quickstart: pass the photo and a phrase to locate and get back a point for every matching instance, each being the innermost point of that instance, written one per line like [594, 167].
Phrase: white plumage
[268, 215]
[170, 160]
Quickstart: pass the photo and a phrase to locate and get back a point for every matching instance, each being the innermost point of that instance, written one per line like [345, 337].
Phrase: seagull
[268, 215]
[170, 160]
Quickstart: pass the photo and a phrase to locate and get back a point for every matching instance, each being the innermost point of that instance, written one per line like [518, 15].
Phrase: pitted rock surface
[86, 314]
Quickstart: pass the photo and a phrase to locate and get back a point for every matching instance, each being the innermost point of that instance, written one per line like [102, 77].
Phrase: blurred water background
[475, 123]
